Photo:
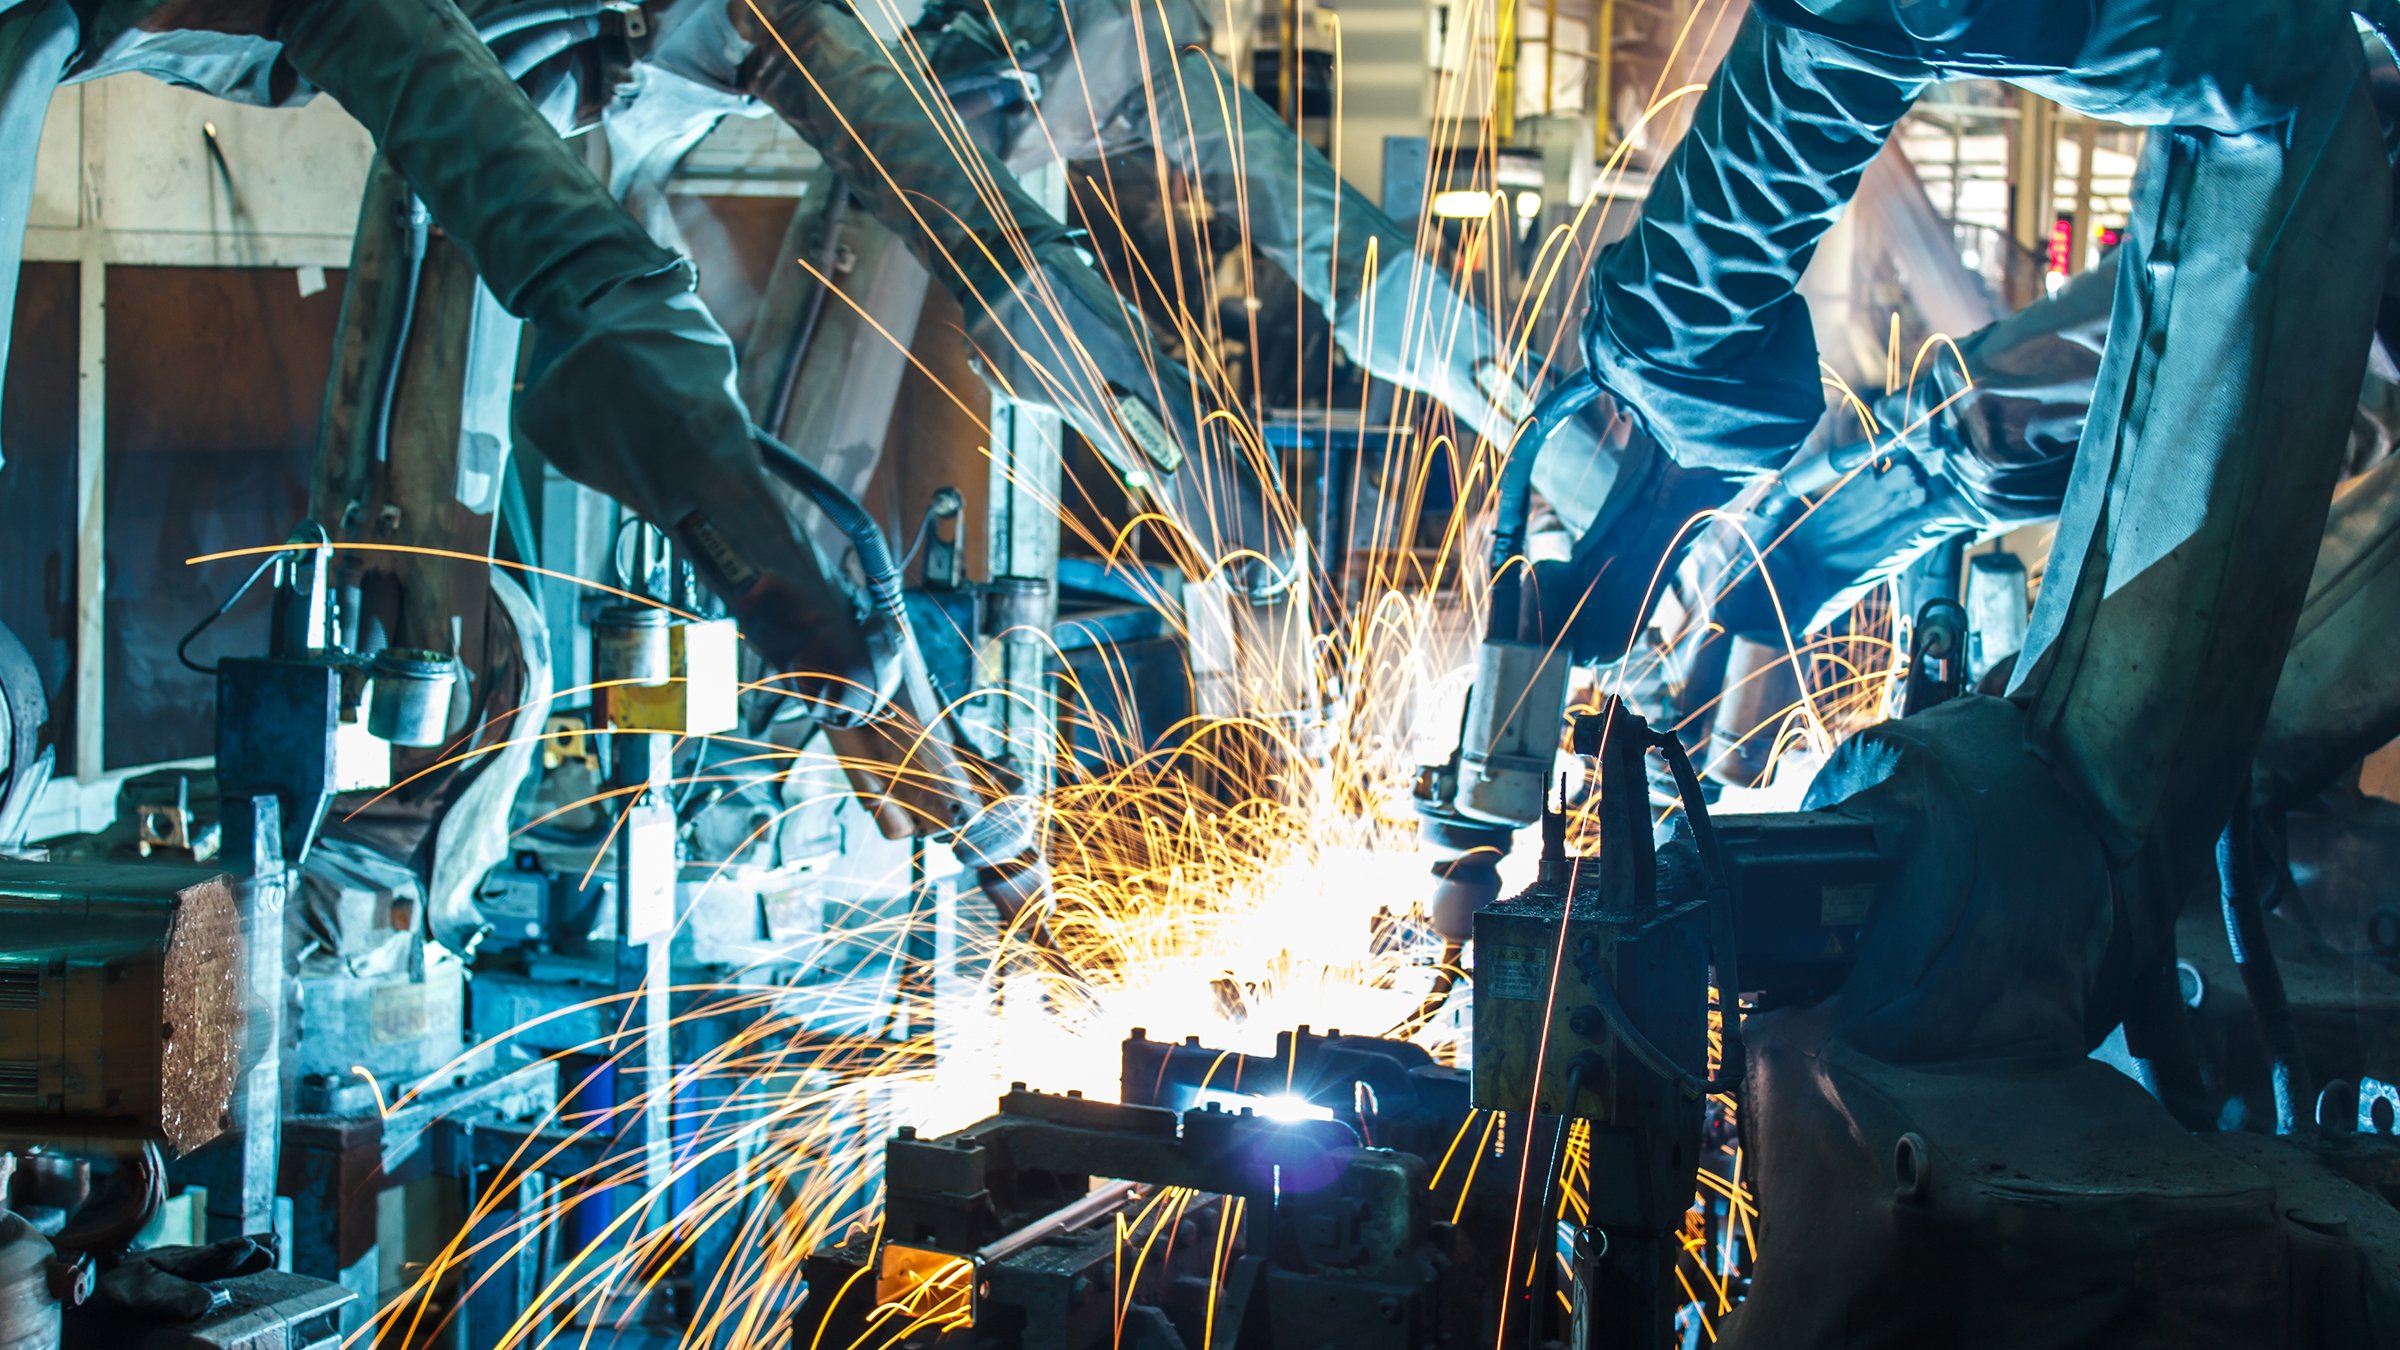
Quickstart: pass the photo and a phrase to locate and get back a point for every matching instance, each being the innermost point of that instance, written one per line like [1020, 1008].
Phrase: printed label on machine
[1514, 972]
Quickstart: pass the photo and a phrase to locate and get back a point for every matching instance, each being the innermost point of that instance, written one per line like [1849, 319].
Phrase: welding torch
[900, 753]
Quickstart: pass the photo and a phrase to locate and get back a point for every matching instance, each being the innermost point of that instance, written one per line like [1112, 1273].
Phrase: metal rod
[1549, 57]
[1071, 1218]
[1604, 63]
[1504, 74]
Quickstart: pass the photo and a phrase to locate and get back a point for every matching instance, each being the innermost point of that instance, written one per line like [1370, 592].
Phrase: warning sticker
[1514, 972]
[1844, 906]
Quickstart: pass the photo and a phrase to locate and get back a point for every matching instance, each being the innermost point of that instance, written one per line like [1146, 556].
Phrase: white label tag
[1514, 972]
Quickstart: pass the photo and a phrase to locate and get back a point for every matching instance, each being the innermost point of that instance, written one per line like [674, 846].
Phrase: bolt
[1139, 1034]
[1017, 1086]
[1388, 1309]
[70, 1282]
[905, 1132]
[1191, 1040]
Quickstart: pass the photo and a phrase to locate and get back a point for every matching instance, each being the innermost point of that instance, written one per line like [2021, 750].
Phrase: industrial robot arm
[630, 387]
[1044, 325]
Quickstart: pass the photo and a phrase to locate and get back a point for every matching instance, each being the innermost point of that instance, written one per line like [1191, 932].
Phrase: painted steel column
[91, 462]
[646, 939]
[1380, 69]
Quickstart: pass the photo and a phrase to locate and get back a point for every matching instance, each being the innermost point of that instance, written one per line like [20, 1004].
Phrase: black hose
[1510, 521]
[417, 223]
[1724, 931]
[2246, 934]
[829, 247]
[183, 649]
[1016, 884]
[1628, 1034]
[875, 560]
[1558, 1145]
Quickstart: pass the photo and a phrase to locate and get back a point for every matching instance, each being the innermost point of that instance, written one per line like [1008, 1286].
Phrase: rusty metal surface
[123, 1010]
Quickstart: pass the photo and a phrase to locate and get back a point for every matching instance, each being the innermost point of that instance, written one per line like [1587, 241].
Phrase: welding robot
[611, 311]
[630, 381]
[1978, 441]
[1701, 362]
[1903, 1117]
[935, 131]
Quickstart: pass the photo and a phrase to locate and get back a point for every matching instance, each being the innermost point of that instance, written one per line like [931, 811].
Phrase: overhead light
[1463, 204]
[1529, 205]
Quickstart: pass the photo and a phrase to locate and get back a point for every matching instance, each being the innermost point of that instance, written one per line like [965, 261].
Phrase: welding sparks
[1254, 869]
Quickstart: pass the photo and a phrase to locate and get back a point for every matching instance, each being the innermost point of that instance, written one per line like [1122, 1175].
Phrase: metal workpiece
[1388, 1090]
[260, 1311]
[123, 1001]
[1295, 1236]
[1943, 1194]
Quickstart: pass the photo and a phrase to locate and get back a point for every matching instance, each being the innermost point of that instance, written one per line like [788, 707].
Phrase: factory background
[600, 982]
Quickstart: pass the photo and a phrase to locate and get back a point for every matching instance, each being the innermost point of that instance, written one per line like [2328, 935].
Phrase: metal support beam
[1027, 477]
[2032, 175]
[91, 463]
[646, 939]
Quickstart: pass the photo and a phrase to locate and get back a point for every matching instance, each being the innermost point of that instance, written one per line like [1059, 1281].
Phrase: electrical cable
[1621, 1025]
[2262, 980]
[416, 224]
[875, 561]
[1512, 517]
[183, 648]
[916, 545]
[1724, 935]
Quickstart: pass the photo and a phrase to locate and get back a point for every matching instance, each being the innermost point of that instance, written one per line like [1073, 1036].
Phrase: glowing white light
[1464, 204]
[1283, 1106]
[1529, 205]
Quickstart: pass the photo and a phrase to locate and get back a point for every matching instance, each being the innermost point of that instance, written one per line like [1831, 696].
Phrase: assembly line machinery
[480, 847]
[1349, 1191]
